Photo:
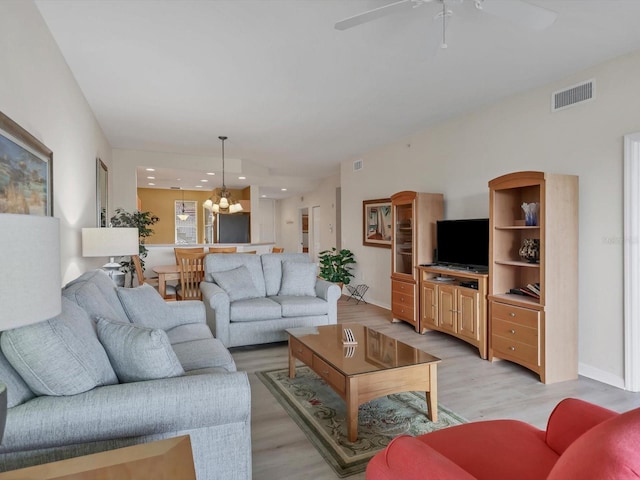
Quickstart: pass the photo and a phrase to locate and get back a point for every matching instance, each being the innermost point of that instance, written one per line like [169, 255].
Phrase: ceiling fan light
[208, 204]
[215, 208]
[224, 203]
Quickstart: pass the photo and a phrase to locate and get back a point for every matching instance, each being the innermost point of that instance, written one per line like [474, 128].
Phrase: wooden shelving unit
[414, 217]
[539, 334]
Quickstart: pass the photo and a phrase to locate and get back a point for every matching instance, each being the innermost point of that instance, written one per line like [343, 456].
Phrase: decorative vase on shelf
[530, 213]
[530, 250]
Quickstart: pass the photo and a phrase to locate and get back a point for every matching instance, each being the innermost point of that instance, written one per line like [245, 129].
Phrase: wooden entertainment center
[455, 302]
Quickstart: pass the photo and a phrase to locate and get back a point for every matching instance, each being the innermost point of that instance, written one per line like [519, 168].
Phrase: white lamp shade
[224, 203]
[30, 282]
[109, 242]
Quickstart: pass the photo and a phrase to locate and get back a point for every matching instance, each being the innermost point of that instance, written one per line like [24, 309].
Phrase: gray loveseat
[79, 383]
[252, 299]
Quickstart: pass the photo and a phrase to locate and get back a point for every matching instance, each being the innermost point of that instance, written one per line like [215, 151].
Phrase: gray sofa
[120, 367]
[252, 299]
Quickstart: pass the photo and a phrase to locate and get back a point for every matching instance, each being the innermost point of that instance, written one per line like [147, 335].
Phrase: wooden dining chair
[223, 249]
[277, 250]
[153, 281]
[187, 249]
[191, 274]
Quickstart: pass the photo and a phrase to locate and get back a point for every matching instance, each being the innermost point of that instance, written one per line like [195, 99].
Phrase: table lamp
[110, 242]
[31, 280]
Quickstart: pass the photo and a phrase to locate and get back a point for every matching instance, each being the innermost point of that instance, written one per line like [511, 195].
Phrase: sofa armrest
[410, 459]
[129, 410]
[218, 310]
[331, 293]
[327, 290]
[570, 419]
[191, 311]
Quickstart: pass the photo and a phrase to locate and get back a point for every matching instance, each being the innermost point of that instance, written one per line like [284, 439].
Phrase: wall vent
[357, 165]
[568, 97]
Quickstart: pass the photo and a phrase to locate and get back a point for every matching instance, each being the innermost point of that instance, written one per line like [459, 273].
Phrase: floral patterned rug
[321, 413]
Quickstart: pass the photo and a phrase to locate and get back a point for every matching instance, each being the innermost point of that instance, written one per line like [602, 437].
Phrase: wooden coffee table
[377, 366]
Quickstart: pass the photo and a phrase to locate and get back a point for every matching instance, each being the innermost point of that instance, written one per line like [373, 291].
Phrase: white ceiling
[296, 96]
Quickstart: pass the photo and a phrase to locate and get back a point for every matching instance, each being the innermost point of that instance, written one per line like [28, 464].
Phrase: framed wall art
[376, 223]
[26, 171]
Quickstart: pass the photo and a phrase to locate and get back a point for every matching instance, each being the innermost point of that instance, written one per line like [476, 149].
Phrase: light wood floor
[468, 385]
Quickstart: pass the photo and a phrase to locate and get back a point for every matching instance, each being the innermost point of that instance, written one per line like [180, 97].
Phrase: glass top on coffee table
[373, 352]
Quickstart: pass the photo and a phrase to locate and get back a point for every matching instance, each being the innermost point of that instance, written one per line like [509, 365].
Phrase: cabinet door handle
[511, 314]
[325, 372]
[512, 331]
[513, 349]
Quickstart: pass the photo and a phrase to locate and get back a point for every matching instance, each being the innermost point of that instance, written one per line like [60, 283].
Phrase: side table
[169, 459]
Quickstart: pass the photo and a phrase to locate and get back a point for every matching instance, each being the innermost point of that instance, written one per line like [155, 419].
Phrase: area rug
[321, 413]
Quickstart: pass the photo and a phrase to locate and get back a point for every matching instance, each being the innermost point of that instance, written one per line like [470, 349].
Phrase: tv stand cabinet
[455, 302]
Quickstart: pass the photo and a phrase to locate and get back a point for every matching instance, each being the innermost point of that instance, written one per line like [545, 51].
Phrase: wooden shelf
[517, 263]
[517, 227]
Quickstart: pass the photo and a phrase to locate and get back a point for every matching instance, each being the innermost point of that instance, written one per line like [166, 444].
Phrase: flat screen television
[463, 243]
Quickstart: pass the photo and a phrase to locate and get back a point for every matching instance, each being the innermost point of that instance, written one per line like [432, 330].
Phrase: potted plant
[140, 220]
[335, 265]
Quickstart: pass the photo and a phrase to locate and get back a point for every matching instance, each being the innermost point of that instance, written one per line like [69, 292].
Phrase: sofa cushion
[236, 283]
[17, 391]
[87, 295]
[254, 309]
[138, 353]
[80, 364]
[205, 353]
[188, 332]
[145, 306]
[272, 267]
[608, 450]
[295, 306]
[222, 262]
[298, 279]
[105, 286]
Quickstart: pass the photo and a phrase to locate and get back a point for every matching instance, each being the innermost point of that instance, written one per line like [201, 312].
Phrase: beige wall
[460, 156]
[38, 92]
[161, 203]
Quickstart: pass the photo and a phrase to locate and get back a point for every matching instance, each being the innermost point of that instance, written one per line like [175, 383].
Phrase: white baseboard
[600, 375]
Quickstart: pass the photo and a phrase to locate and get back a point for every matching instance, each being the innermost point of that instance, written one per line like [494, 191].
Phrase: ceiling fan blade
[519, 12]
[374, 14]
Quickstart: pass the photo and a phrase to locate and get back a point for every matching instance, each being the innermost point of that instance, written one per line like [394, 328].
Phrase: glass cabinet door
[403, 240]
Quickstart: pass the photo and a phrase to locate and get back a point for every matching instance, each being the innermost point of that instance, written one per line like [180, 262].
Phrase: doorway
[304, 230]
[631, 262]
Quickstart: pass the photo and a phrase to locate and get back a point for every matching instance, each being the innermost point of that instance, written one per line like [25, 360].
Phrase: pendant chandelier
[223, 202]
[183, 215]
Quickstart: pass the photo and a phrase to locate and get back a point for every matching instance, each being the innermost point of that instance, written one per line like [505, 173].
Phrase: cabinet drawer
[402, 298]
[329, 374]
[403, 312]
[517, 351]
[510, 313]
[515, 331]
[402, 287]
[301, 352]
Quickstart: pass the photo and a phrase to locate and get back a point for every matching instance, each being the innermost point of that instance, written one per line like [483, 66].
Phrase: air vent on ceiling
[570, 96]
[357, 165]
[175, 188]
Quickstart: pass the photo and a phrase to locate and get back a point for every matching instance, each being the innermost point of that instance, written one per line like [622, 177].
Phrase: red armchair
[582, 441]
